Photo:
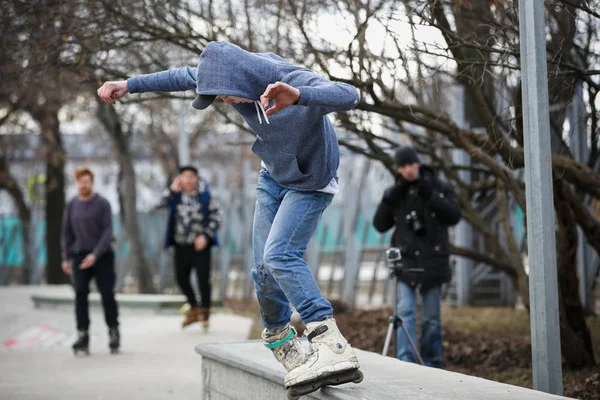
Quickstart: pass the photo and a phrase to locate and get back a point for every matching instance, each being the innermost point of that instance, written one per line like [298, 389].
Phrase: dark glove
[425, 189]
[392, 194]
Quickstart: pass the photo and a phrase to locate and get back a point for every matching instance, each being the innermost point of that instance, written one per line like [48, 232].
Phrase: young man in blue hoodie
[286, 106]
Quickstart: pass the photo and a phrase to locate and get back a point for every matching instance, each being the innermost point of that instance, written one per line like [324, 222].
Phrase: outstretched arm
[314, 91]
[173, 80]
[331, 96]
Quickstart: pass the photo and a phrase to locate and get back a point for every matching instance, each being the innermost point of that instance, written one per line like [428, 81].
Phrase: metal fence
[345, 254]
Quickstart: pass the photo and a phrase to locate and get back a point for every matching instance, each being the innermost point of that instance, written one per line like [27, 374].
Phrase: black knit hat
[404, 156]
[184, 168]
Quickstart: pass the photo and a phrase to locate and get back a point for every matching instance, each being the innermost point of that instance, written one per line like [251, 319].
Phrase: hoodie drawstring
[259, 106]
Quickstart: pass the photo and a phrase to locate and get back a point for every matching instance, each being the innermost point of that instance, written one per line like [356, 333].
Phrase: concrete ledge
[64, 295]
[247, 370]
[149, 301]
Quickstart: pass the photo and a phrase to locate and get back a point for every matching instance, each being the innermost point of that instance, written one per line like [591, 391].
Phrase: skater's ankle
[276, 330]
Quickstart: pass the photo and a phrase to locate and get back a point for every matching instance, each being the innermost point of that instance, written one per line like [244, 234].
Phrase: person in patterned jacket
[193, 222]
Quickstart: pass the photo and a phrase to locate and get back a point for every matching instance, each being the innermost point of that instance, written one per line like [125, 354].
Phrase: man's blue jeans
[431, 327]
[284, 221]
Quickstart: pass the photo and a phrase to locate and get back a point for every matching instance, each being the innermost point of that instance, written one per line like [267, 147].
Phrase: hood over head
[225, 69]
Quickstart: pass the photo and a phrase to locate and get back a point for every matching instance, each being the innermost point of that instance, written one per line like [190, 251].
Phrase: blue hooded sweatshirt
[297, 145]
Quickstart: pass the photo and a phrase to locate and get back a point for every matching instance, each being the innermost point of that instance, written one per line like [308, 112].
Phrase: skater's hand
[176, 186]
[88, 261]
[66, 267]
[282, 94]
[111, 91]
[200, 243]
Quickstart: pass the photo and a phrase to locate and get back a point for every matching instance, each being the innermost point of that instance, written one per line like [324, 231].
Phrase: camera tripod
[393, 258]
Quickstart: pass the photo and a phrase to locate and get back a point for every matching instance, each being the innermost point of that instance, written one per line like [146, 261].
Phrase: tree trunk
[576, 341]
[164, 150]
[55, 195]
[561, 86]
[127, 194]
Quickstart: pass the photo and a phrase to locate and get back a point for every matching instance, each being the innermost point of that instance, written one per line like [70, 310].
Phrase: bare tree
[482, 41]
[34, 54]
[401, 86]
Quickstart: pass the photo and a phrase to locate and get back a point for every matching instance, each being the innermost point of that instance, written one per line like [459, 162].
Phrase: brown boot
[203, 316]
[191, 316]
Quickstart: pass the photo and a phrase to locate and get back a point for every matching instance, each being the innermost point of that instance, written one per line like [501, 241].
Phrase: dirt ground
[491, 343]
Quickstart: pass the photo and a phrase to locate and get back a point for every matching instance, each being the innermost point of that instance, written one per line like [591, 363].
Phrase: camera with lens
[415, 223]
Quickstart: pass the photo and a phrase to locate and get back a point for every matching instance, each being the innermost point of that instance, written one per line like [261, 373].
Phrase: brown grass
[491, 343]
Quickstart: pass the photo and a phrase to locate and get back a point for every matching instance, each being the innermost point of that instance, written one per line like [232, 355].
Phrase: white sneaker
[330, 354]
[286, 347]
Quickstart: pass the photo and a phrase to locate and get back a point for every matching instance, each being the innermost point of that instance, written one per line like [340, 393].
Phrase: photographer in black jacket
[421, 208]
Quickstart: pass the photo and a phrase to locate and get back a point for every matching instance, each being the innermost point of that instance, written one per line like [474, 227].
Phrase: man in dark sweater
[194, 219]
[87, 252]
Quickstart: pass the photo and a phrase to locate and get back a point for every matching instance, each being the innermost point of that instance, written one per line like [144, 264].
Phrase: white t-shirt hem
[332, 187]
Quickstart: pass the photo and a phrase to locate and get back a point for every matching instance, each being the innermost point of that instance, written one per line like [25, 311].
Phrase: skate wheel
[305, 388]
[290, 397]
[359, 377]
[114, 351]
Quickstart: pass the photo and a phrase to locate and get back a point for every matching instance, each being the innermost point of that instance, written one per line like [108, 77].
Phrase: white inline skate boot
[330, 361]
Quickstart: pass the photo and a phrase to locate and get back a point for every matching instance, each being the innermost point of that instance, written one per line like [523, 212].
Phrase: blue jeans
[431, 327]
[284, 221]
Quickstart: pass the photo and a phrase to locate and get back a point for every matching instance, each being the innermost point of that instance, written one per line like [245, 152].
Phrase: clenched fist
[113, 90]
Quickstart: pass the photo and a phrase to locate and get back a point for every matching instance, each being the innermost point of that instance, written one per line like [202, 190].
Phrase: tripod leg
[412, 345]
[388, 338]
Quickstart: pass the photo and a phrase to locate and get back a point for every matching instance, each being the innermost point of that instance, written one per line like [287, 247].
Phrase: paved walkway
[157, 359]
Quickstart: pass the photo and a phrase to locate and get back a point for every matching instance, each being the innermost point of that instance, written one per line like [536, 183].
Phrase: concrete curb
[243, 370]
